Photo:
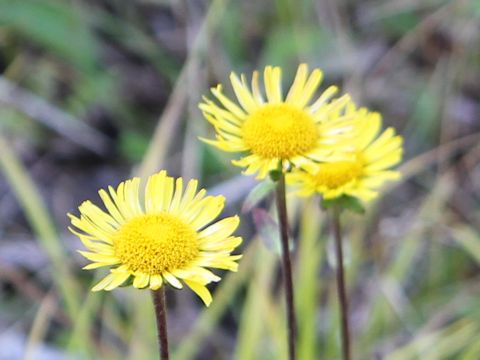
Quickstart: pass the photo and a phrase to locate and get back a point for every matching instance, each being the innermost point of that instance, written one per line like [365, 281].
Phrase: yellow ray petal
[172, 280]
[177, 196]
[324, 98]
[189, 194]
[220, 229]
[227, 244]
[156, 282]
[272, 79]
[141, 280]
[257, 94]
[211, 208]
[310, 87]
[298, 84]
[131, 194]
[229, 105]
[154, 192]
[103, 283]
[111, 207]
[201, 291]
[118, 278]
[119, 200]
[102, 219]
[97, 265]
[103, 258]
[167, 191]
[244, 96]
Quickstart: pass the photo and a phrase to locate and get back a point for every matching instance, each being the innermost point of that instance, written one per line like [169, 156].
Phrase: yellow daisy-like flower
[291, 130]
[164, 239]
[362, 175]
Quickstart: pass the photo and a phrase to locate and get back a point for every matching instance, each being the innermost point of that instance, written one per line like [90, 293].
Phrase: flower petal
[201, 291]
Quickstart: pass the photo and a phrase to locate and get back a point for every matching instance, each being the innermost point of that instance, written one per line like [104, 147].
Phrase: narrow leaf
[258, 193]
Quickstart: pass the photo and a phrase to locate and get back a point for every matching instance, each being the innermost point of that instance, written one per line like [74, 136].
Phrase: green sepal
[344, 202]
[128, 282]
[275, 175]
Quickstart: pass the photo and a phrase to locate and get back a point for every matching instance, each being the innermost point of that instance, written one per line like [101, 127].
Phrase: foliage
[116, 66]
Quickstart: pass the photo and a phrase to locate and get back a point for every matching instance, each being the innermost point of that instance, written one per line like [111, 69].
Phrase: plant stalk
[342, 294]
[286, 266]
[161, 316]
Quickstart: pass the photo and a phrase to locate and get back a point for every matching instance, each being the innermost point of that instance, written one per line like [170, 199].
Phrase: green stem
[342, 294]
[161, 316]
[286, 265]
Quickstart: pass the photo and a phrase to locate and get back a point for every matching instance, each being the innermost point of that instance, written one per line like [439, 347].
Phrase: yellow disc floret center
[336, 174]
[279, 131]
[155, 243]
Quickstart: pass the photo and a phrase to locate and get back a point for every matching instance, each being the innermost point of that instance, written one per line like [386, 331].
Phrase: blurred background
[95, 91]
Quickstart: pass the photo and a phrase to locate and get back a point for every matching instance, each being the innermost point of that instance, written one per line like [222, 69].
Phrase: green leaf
[475, 8]
[258, 193]
[399, 23]
[59, 27]
[344, 202]
[269, 231]
[133, 145]
[469, 240]
[283, 47]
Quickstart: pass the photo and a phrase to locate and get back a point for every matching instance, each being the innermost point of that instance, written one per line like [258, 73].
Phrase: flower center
[155, 243]
[336, 174]
[279, 131]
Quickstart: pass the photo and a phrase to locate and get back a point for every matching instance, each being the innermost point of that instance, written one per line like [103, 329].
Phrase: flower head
[291, 130]
[367, 169]
[167, 238]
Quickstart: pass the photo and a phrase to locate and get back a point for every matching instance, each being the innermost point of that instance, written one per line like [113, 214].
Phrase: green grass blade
[42, 225]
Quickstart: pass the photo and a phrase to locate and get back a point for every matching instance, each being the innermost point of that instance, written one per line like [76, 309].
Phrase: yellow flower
[362, 174]
[164, 239]
[292, 130]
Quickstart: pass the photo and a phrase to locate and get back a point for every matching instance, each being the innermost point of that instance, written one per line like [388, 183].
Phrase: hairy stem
[286, 266]
[342, 296]
[161, 316]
